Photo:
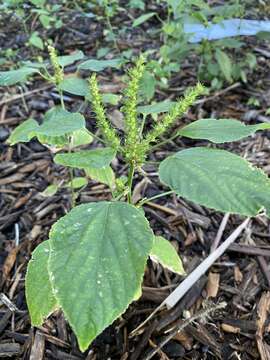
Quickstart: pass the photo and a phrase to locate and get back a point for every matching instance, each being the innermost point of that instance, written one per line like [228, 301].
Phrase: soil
[241, 277]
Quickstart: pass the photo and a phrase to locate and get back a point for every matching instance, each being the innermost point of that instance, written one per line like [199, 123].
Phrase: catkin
[104, 125]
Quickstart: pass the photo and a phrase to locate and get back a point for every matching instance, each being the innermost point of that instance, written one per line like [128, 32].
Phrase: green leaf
[50, 190]
[75, 85]
[111, 99]
[66, 60]
[147, 85]
[141, 19]
[103, 175]
[161, 107]
[97, 158]
[217, 179]
[220, 131]
[61, 123]
[81, 137]
[97, 260]
[99, 65]
[164, 253]
[23, 132]
[77, 182]
[224, 63]
[40, 299]
[12, 77]
[57, 141]
[36, 40]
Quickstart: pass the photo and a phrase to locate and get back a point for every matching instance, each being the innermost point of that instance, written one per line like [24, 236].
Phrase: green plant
[220, 61]
[93, 263]
[38, 12]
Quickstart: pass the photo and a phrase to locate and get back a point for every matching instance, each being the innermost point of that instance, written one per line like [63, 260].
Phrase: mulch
[241, 277]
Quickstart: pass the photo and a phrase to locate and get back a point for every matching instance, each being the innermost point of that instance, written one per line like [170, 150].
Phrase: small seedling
[93, 264]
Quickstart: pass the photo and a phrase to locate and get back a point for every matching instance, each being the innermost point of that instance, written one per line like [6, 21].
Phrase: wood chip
[263, 314]
[212, 285]
[230, 329]
[38, 348]
[238, 276]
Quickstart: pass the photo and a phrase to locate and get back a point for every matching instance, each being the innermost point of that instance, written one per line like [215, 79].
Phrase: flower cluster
[58, 71]
[130, 110]
[104, 125]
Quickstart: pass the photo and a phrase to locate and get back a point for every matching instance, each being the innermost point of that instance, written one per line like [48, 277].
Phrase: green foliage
[90, 250]
[39, 293]
[8, 78]
[104, 175]
[98, 158]
[24, 132]
[130, 111]
[217, 179]
[93, 263]
[99, 65]
[108, 132]
[220, 131]
[176, 111]
[164, 253]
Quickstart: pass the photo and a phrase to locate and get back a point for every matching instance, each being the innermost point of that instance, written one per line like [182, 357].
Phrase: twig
[190, 280]
[28, 93]
[220, 232]
[200, 314]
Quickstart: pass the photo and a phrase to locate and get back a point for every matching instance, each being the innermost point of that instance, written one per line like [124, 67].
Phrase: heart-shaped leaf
[217, 179]
[40, 299]
[97, 260]
[220, 131]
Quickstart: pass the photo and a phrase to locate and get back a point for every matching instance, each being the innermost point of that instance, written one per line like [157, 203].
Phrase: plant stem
[164, 142]
[61, 98]
[71, 175]
[129, 182]
[145, 201]
[142, 125]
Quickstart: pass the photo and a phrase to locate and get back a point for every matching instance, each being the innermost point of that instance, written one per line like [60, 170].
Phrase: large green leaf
[39, 295]
[97, 158]
[97, 260]
[99, 65]
[164, 253]
[217, 179]
[23, 132]
[12, 77]
[61, 123]
[66, 60]
[220, 131]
